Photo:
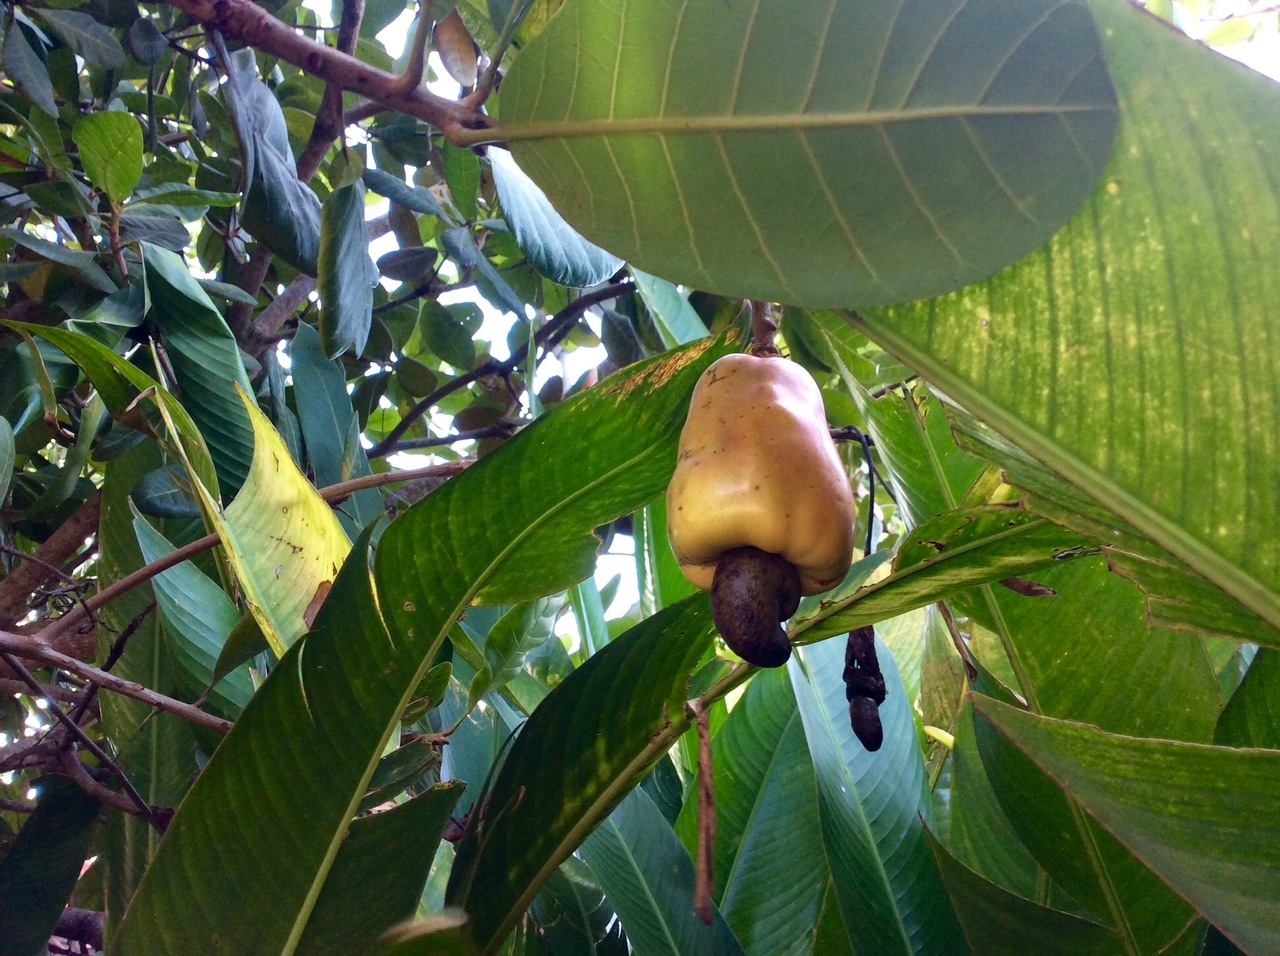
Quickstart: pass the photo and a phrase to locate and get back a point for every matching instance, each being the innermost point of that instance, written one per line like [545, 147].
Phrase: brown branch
[763, 330]
[18, 585]
[252, 25]
[705, 878]
[9, 687]
[33, 650]
[158, 817]
[329, 122]
[269, 320]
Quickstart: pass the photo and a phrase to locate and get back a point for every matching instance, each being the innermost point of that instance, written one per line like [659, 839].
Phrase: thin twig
[705, 877]
[32, 650]
[499, 429]
[16, 806]
[566, 317]
[9, 686]
[76, 731]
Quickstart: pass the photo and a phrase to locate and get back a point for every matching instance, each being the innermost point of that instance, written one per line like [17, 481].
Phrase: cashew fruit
[757, 472]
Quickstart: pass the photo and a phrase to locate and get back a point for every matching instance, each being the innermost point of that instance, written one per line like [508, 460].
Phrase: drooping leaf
[282, 539]
[86, 36]
[462, 174]
[872, 808]
[927, 147]
[607, 721]
[649, 879]
[1151, 357]
[226, 834]
[553, 246]
[206, 360]
[998, 922]
[197, 617]
[279, 210]
[110, 149]
[1201, 816]
[414, 198]
[346, 274]
[462, 248]
[7, 456]
[41, 867]
[25, 68]
[378, 874]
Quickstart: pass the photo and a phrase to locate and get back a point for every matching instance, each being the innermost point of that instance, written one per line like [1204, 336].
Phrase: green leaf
[198, 617]
[1150, 357]
[770, 867]
[87, 37]
[346, 275]
[928, 150]
[462, 249]
[27, 70]
[872, 808]
[7, 456]
[1252, 716]
[950, 552]
[146, 42]
[42, 866]
[81, 261]
[414, 198]
[649, 880]
[675, 318]
[322, 718]
[997, 922]
[553, 246]
[1192, 812]
[110, 149]
[606, 723]
[378, 874]
[279, 210]
[180, 194]
[462, 175]
[330, 427]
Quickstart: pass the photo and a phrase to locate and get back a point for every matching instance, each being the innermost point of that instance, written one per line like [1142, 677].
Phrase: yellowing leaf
[284, 543]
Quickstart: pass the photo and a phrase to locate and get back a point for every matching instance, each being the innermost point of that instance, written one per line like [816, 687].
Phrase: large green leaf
[649, 877]
[26, 69]
[872, 808]
[924, 147]
[1134, 355]
[997, 922]
[607, 722]
[40, 869]
[87, 37]
[1202, 817]
[313, 734]
[110, 149]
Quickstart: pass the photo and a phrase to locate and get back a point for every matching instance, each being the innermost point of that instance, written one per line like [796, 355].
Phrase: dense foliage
[332, 404]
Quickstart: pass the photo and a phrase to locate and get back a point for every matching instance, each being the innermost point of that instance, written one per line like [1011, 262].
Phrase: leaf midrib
[762, 122]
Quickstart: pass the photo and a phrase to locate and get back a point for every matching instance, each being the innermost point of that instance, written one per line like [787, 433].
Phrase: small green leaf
[346, 275]
[553, 246]
[676, 321]
[86, 36]
[414, 198]
[110, 149]
[462, 174]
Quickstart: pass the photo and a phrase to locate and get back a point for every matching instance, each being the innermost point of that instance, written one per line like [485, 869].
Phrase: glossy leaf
[197, 617]
[550, 243]
[872, 808]
[1252, 716]
[1149, 358]
[346, 275]
[110, 149]
[378, 874]
[415, 198]
[206, 360]
[677, 322]
[998, 922]
[929, 148]
[649, 880]
[1196, 814]
[40, 869]
[226, 834]
[950, 552]
[607, 721]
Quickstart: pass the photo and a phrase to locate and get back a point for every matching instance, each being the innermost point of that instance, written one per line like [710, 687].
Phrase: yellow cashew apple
[759, 510]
